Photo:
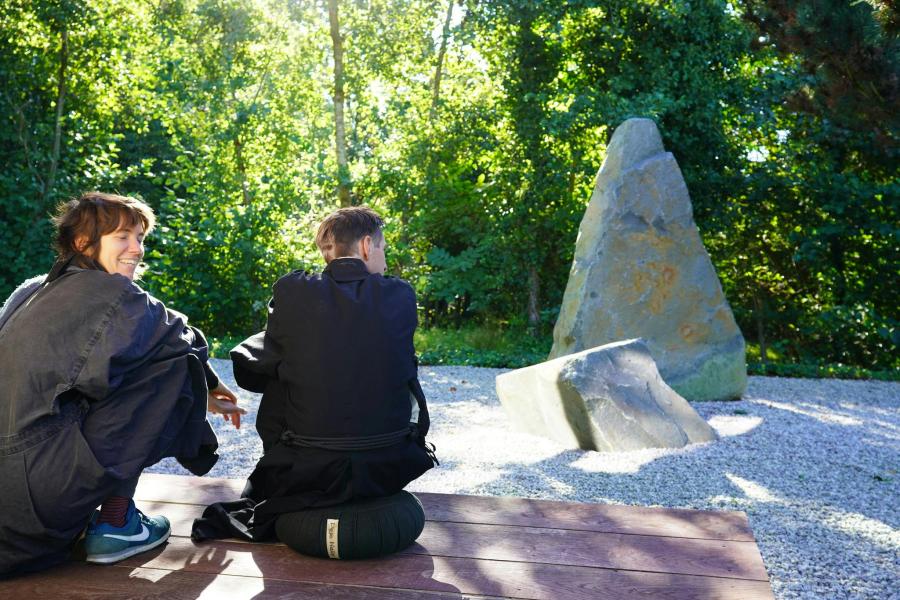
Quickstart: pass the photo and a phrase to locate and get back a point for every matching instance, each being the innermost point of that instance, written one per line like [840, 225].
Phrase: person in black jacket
[342, 415]
[100, 380]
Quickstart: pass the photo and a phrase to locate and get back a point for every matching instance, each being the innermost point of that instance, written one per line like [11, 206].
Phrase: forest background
[476, 127]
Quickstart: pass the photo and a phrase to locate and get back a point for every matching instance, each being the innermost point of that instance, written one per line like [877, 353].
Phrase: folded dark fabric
[225, 519]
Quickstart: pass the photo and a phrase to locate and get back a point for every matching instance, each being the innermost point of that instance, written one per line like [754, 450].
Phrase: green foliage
[816, 371]
[219, 347]
[848, 54]
[812, 247]
[218, 113]
[481, 347]
[780, 365]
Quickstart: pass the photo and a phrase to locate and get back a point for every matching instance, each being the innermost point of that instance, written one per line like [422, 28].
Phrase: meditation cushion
[358, 529]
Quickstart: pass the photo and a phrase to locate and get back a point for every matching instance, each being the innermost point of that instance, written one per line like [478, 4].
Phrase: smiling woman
[105, 231]
[100, 380]
[122, 250]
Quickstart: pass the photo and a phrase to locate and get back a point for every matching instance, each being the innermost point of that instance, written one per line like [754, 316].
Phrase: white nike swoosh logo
[138, 537]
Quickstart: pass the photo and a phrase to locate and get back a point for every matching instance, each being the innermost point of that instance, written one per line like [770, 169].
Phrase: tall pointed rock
[640, 270]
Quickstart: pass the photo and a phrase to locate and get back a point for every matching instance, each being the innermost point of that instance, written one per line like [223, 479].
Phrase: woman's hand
[222, 401]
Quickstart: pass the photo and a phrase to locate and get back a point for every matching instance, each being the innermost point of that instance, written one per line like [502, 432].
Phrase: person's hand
[222, 401]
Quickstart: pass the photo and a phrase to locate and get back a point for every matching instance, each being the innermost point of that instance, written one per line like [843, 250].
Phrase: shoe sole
[105, 559]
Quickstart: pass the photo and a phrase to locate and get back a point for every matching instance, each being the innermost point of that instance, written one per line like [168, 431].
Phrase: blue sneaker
[106, 544]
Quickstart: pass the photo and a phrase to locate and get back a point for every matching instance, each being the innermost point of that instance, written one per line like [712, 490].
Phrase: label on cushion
[331, 538]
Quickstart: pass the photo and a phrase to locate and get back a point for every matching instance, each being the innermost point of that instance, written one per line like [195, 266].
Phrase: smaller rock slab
[610, 398]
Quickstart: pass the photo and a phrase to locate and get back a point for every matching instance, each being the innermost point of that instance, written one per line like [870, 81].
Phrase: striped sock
[113, 511]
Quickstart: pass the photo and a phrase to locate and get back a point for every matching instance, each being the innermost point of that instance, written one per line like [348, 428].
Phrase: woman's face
[122, 250]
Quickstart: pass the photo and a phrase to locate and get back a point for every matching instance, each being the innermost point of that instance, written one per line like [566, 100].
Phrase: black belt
[348, 444]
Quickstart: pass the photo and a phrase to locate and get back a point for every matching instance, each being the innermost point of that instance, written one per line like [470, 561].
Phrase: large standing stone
[609, 398]
[641, 270]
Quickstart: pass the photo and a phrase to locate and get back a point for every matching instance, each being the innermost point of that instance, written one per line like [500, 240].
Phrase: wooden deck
[472, 547]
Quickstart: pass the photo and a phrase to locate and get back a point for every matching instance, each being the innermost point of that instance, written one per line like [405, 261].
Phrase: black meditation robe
[99, 381]
[336, 365]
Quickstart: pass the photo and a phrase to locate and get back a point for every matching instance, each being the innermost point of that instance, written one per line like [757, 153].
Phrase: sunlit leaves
[219, 114]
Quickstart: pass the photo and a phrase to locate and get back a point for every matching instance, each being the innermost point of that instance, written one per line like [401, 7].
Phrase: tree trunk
[340, 141]
[760, 334]
[837, 259]
[438, 69]
[60, 102]
[241, 168]
[22, 134]
[240, 163]
[534, 288]
[572, 179]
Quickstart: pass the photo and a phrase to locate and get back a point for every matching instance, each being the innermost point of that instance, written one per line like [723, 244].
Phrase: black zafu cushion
[358, 529]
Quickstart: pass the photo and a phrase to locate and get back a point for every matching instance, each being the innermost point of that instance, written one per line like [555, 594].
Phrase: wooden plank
[81, 581]
[715, 558]
[635, 520]
[442, 574]
[187, 490]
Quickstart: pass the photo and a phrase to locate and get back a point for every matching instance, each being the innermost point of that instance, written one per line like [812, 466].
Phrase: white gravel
[813, 463]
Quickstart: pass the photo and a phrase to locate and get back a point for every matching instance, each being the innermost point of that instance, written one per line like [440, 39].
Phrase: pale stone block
[609, 398]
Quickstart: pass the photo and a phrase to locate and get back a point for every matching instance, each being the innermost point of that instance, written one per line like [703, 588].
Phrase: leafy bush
[216, 114]
[513, 347]
[814, 371]
[485, 346]
[219, 347]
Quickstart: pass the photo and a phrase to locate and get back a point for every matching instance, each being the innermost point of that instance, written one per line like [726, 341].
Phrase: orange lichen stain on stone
[638, 282]
[664, 244]
[667, 274]
[723, 316]
[663, 274]
[657, 302]
[662, 279]
[694, 332]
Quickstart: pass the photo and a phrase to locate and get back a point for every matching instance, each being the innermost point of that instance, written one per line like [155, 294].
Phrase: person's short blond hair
[340, 231]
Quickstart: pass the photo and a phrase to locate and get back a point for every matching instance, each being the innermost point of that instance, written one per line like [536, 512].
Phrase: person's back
[347, 348]
[342, 415]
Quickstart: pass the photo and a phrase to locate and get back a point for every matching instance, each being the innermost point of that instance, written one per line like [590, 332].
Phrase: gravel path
[813, 463]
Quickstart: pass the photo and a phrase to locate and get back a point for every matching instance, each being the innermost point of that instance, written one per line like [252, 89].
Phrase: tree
[340, 143]
[833, 86]
[850, 56]
[439, 62]
[57, 104]
[476, 127]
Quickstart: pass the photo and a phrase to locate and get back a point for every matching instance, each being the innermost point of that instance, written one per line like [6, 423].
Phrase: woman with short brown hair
[100, 381]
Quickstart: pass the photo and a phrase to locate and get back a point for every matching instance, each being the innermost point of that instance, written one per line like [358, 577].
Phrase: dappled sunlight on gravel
[729, 425]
